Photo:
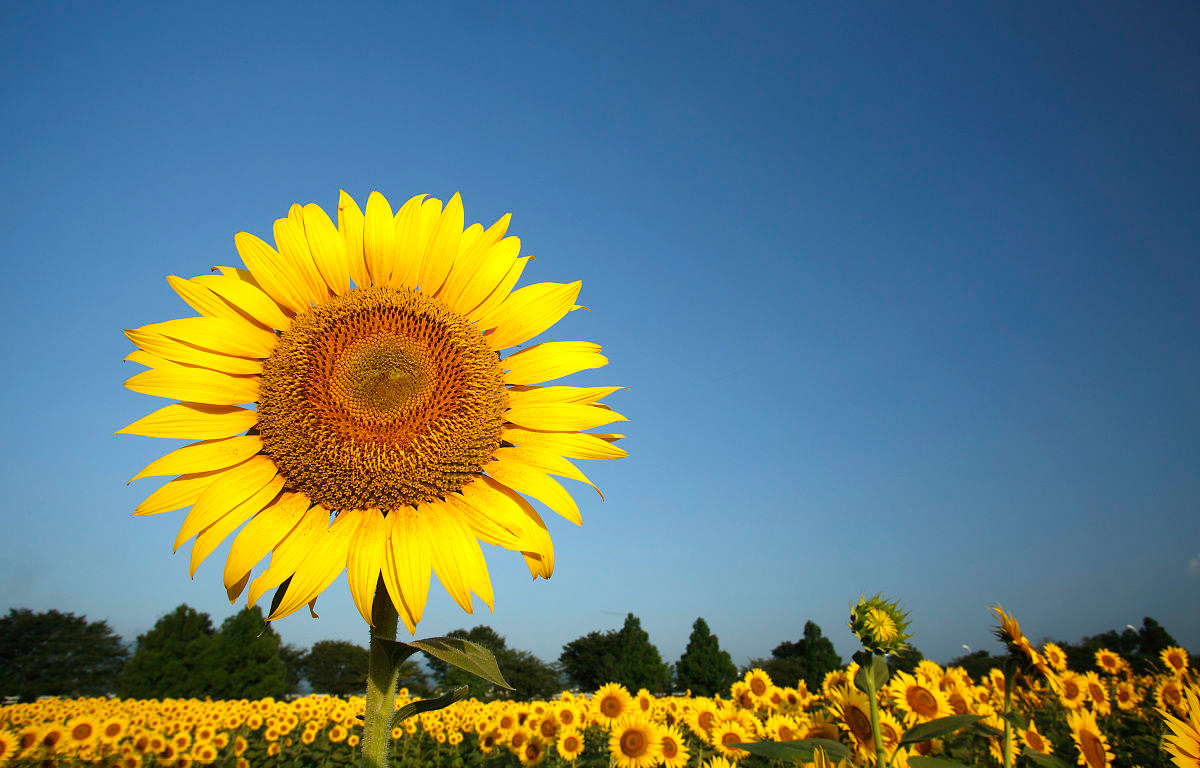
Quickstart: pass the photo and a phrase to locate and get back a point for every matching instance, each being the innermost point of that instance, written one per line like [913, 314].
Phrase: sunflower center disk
[380, 398]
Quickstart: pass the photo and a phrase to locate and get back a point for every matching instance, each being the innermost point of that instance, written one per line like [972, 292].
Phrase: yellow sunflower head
[1109, 662]
[880, 625]
[611, 703]
[387, 432]
[1055, 657]
[1091, 743]
[1175, 659]
[570, 744]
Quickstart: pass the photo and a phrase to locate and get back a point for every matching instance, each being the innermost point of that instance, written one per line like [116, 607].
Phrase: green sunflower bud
[880, 625]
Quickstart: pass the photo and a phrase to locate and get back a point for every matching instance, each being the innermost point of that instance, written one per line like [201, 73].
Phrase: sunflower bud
[880, 625]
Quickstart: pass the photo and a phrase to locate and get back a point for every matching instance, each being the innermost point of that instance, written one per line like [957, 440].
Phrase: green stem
[381, 683]
[1009, 674]
[880, 760]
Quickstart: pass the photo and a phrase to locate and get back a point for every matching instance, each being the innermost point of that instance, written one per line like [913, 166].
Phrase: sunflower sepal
[937, 728]
[798, 750]
[1042, 759]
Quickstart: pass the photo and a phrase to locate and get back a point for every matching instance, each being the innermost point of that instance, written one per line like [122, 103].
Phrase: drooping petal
[551, 360]
[365, 560]
[320, 566]
[408, 564]
[290, 552]
[249, 298]
[264, 531]
[350, 228]
[510, 515]
[204, 456]
[196, 385]
[528, 311]
[247, 479]
[457, 559]
[181, 492]
[531, 482]
[211, 537]
[575, 445]
[195, 421]
[544, 461]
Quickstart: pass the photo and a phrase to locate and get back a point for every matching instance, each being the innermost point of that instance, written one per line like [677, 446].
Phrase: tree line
[185, 656]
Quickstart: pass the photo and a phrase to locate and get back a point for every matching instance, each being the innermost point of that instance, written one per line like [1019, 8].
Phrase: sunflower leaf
[1041, 758]
[986, 730]
[919, 761]
[939, 727]
[465, 655]
[879, 671]
[428, 705]
[397, 651]
[796, 751]
[1017, 718]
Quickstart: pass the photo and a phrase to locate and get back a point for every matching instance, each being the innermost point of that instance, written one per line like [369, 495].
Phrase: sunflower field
[1062, 717]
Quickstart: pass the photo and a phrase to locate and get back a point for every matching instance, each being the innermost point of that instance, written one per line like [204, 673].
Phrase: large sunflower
[388, 435]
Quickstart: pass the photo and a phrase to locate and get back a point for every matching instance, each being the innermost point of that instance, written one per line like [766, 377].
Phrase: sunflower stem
[381, 683]
[1009, 675]
[873, 700]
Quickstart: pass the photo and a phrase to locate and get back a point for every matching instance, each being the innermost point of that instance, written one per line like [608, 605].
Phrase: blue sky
[904, 294]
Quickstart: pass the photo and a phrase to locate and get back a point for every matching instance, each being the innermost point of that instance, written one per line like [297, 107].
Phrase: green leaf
[878, 666]
[935, 728]
[1017, 718]
[428, 705]
[1042, 759]
[987, 730]
[796, 751]
[465, 655]
[397, 650]
[918, 761]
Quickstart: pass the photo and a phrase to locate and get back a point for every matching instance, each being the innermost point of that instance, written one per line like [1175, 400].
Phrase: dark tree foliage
[57, 654]
[1140, 647]
[176, 658]
[337, 667]
[978, 663]
[530, 677]
[904, 661]
[247, 654]
[623, 656]
[704, 669]
[294, 660]
[809, 659]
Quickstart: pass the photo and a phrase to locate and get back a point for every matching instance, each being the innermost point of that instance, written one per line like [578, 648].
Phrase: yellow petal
[261, 534]
[408, 564]
[291, 551]
[196, 385]
[457, 559]
[248, 298]
[525, 395]
[551, 360]
[544, 461]
[325, 559]
[431, 209]
[561, 417]
[379, 240]
[531, 482]
[292, 245]
[365, 560]
[211, 537]
[575, 445]
[203, 456]
[217, 334]
[195, 421]
[528, 311]
[328, 249]
[505, 519]
[247, 479]
[180, 492]
[408, 244]
[205, 301]
[180, 352]
[442, 248]
[465, 274]
[350, 228]
[271, 271]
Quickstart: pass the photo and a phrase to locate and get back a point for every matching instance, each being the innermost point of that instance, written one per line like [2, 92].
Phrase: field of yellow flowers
[1093, 719]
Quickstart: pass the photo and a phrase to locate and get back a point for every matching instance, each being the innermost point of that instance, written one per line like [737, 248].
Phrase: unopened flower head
[880, 625]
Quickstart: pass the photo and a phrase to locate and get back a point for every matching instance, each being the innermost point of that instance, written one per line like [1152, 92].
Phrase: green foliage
[905, 660]
[176, 658]
[704, 668]
[529, 676]
[1141, 648]
[294, 660]
[57, 654]
[978, 663]
[623, 656]
[809, 659]
[248, 657]
[337, 667]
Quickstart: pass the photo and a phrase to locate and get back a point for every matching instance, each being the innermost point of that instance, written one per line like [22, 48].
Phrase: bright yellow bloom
[1092, 745]
[532, 753]
[1183, 743]
[611, 703]
[1175, 658]
[1055, 657]
[634, 742]
[675, 753]
[1109, 662]
[388, 436]
[83, 731]
[570, 744]
[1033, 739]
[9, 747]
[920, 700]
[728, 733]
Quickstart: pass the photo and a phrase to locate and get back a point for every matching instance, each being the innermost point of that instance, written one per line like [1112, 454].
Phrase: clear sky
[904, 294]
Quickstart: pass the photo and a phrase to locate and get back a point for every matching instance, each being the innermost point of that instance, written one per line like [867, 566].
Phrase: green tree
[530, 677]
[904, 661]
[176, 658]
[57, 654]
[978, 663]
[623, 656]
[704, 668]
[337, 667]
[247, 649]
[293, 665]
[809, 659]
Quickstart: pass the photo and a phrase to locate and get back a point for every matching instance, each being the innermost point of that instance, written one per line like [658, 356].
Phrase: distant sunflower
[634, 742]
[1175, 658]
[1168, 696]
[371, 352]
[1097, 693]
[918, 698]
[1055, 657]
[1092, 745]
[1072, 690]
[1033, 739]
[673, 750]
[611, 703]
[570, 744]
[730, 732]
[1109, 662]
